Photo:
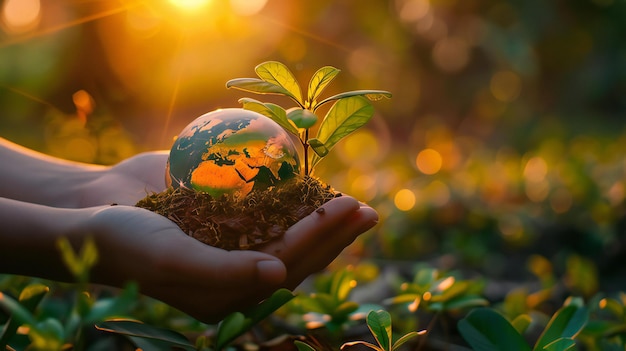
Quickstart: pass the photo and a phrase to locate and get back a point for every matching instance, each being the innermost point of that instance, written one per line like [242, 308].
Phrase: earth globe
[231, 151]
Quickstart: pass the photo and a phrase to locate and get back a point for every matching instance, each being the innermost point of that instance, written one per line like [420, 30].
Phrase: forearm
[29, 235]
[29, 176]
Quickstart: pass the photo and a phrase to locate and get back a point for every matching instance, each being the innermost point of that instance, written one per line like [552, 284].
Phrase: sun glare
[247, 7]
[190, 5]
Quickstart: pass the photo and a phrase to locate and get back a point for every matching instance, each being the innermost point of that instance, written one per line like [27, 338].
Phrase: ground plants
[487, 330]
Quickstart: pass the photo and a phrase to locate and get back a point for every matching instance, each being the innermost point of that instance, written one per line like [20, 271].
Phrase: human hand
[315, 241]
[206, 282]
[128, 181]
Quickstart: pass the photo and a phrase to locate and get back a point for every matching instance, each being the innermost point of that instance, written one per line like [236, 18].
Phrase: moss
[229, 223]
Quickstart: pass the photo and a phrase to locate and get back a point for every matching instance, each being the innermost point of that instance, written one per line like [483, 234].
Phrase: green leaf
[137, 329]
[31, 295]
[379, 323]
[277, 73]
[47, 335]
[325, 303]
[466, 301]
[614, 307]
[364, 343]
[562, 344]
[258, 86]
[345, 309]
[404, 298]
[567, 322]
[234, 325]
[18, 312]
[371, 95]
[302, 346]
[521, 323]
[29, 299]
[238, 323]
[116, 306]
[486, 330]
[341, 285]
[346, 116]
[425, 277]
[272, 111]
[302, 118]
[79, 264]
[319, 81]
[403, 339]
[317, 146]
[269, 306]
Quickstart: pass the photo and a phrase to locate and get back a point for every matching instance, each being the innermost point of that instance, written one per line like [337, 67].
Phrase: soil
[240, 224]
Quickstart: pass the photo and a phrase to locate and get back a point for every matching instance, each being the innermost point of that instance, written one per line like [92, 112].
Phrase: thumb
[271, 271]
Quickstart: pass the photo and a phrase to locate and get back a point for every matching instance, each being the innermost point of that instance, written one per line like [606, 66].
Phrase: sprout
[350, 111]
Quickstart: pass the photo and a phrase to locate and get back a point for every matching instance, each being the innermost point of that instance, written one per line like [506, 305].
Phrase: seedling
[379, 324]
[350, 111]
[329, 306]
[433, 291]
[227, 155]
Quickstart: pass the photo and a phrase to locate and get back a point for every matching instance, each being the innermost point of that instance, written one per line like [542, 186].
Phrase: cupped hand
[315, 241]
[207, 282]
[128, 181]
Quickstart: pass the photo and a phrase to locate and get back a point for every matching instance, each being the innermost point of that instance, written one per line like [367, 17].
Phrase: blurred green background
[506, 134]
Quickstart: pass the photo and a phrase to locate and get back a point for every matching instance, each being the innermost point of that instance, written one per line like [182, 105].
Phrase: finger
[322, 255]
[217, 267]
[312, 229]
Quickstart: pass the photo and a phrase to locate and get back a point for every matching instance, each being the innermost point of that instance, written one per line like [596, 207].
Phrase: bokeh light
[505, 86]
[429, 161]
[451, 54]
[20, 15]
[404, 199]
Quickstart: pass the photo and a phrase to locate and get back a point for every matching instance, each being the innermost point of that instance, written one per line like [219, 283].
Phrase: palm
[128, 181]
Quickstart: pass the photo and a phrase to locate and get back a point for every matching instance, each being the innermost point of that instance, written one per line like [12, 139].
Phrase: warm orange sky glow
[190, 5]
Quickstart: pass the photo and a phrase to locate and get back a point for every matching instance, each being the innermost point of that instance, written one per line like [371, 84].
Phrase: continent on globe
[231, 151]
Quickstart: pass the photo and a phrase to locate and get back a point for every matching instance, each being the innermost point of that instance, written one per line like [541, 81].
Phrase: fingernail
[271, 271]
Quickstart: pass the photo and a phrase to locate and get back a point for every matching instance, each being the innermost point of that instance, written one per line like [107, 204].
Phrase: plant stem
[430, 326]
[305, 145]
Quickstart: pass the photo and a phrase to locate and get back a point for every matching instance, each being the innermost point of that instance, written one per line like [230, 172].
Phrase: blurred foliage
[501, 153]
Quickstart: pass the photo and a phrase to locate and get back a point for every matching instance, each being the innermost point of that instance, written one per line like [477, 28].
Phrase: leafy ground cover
[473, 283]
[497, 169]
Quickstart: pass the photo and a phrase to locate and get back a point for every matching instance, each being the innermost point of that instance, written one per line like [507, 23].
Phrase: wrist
[37, 178]
[30, 234]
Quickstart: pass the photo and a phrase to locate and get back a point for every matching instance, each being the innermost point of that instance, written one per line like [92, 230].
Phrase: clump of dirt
[240, 224]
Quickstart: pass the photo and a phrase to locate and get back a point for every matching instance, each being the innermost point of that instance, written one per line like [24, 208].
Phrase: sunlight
[21, 15]
[190, 5]
[247, 7]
